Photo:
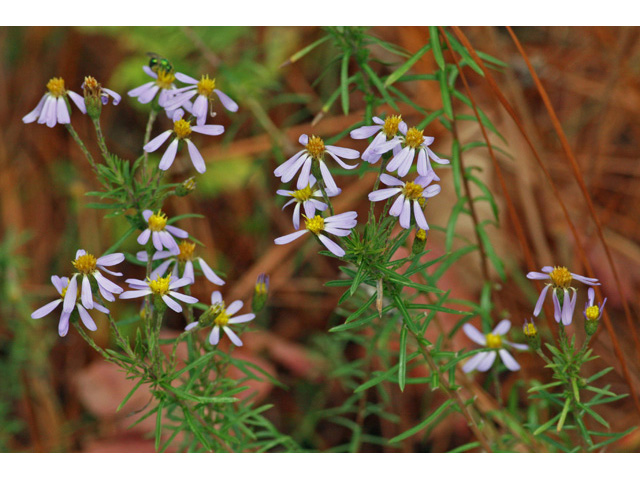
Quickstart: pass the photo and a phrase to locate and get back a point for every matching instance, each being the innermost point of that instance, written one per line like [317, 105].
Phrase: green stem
[82, 146]
[101, 142]
[147, 136]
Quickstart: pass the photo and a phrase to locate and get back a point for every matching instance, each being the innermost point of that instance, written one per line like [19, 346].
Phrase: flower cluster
[393, 135]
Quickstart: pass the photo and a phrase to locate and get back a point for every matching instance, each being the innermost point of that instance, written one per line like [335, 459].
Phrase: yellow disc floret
[414, 138]
[160, 286]
[561, 277]
[157, 222]
[165, 79]
[222, 319]
[85, 264]
[493, 341]
[315, 224]
[315, 147]
[593, 313]
[186, 250]
[206, 86]
[56, 87]
[182, 128]
[421, 235]
[303, 195]
[412, 191]
[390, 127]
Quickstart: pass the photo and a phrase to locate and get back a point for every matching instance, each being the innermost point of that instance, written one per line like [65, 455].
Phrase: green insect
[157, 62]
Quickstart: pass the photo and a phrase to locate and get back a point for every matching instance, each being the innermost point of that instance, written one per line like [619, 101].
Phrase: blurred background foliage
[56, 395]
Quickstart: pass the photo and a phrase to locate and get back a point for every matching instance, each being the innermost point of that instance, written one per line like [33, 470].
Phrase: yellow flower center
[85, 264]
[493, 341]
[315, 147]
[165, 79]
[64, 293]
[303, 195]
[561, 277]
[222, 319]
[182, 128]
[414, 138]
[160, 286]
[90, 82]
[56, 87]
[157, 222]
[186, 250]
[390, 127]
[261, 288]
[206, 86]
[593, 312]
[315, 224]
[412, 191]
[530, 330]
[421, 235]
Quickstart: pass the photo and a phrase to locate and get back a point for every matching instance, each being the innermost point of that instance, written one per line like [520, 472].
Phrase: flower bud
[186, 187]
[260, 293]
[592, 313]
[531, 334]
[419, 241]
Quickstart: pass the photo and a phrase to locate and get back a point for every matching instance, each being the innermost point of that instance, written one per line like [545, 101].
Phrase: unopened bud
[260, 293]
[186, 187]
[419, 241]
[531, 334]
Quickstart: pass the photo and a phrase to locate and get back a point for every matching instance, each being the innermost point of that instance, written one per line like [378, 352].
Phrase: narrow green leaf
[116, 245]
[434, 38]
[378, 84]
[404, 68]
[422, 425]
[344, 82]
[301, 53]
[159, 424]
[402, 362]
[128, 396]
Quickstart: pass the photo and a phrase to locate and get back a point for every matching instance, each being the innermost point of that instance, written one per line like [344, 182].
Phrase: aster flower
[387, 128]
[482, 361]
[305, 198]
[87, 266]
[161, 234]
[182, 129]
[61, 284]
[405, 149]
[415, 192]
[339, 225]
[205, 88]
[221, 317]
[162, 287]
[592, 312]
[314, 151]
[52, 107]
[163, 82]
[185, 257]
[560, 284]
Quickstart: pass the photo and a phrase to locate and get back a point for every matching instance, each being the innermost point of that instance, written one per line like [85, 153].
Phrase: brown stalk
[583, 188]
[505, 103]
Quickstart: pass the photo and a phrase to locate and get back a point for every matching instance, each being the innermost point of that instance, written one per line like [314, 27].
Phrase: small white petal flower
[339, 225]
[182, 130]
[61, 285]
[160, 232]
[52, 107]
[163, 287]
[593, 312]
[184, 257]
[412, 197]
[482, 361]
[560, 281]
[386, 130]
[314, 151]
[221, 317]
[204, 88]
[405, 148]
[163, 82]
[80, 283]
[306, 198]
